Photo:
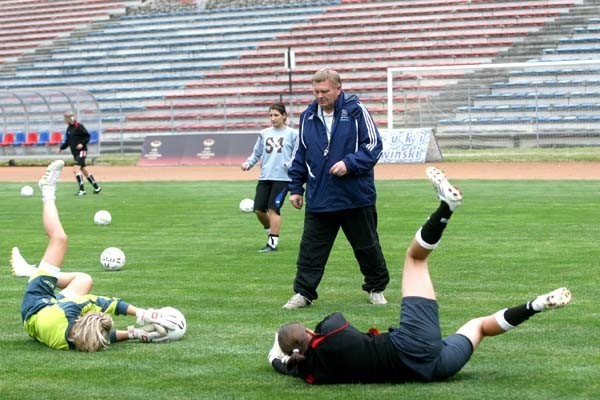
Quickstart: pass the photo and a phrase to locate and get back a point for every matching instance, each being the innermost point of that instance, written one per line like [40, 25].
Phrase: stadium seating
[7, 139]
[56, 138]
[31, 139]
[19, 138]
[207, 70]
[94, 137]
[43, 138]
[27, 24]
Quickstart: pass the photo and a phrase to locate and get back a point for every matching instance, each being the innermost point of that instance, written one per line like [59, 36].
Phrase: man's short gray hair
[327, 74]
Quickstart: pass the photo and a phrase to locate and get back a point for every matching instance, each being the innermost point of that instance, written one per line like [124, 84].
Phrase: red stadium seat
[31, 139]
[55, 138]
[8, 139]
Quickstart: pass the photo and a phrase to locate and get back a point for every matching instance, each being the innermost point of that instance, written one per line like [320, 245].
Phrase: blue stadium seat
[43, 138]
[19, 138]
[94, 137]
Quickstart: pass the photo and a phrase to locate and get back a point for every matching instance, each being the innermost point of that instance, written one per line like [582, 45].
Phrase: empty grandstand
[172, 67]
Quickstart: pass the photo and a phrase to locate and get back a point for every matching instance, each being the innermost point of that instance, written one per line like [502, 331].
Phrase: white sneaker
[51, 175]
[18, 266]
[296, 301]
[446, 192]
[377, 298]
[555, 299]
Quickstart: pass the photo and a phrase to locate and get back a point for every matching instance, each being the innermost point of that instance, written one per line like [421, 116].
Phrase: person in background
[337, 352]
[76, 139]
[273, 148]
[337, 149]
[74, 318]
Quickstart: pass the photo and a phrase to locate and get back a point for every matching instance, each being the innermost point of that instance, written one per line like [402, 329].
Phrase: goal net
[549, 104]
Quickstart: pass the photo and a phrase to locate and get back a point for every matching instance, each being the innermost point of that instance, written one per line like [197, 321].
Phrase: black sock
[91, 180]
[433, 228]
[79, 181]
[519, 314]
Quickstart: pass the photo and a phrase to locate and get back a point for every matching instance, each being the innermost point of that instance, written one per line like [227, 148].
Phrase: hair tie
[295, 351]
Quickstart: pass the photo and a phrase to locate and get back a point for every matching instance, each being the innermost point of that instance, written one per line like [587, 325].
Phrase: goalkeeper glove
[277, 354]
[152, 333]
[155, 317]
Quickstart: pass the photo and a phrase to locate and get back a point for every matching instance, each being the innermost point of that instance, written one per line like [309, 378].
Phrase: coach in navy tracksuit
[337, 148]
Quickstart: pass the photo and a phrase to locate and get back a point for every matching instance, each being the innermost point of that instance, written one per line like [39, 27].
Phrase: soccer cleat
[267, 249]
[377, 298]
[51, 175]
[97, 190]
[18, 266]
[296, 301]
[555, 299]
[80, 193]
[446, 192]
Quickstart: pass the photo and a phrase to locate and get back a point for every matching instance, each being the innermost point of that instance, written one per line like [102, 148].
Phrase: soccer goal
[514, 105]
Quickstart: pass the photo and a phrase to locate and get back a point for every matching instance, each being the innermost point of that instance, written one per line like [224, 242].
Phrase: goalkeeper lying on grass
[337, 352]
[74, 318]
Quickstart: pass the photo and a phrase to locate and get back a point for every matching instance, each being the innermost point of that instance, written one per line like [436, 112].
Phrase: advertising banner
[409, 146]
[198, 149]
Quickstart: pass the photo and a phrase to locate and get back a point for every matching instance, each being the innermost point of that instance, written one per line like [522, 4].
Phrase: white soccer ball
[102, 217]
[181, 324]
[247, 205]
[26, 191]
[112, 259]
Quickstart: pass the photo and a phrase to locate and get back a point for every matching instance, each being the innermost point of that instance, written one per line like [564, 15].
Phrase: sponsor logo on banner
[197, 149]
[154, 153]
[405, 145]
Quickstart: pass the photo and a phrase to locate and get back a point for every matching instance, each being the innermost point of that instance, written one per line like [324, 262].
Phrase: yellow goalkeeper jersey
[48, 318]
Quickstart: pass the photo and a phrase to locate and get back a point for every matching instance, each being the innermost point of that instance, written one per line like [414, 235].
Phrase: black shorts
[420, 345]
[79, 157]
[270, 195]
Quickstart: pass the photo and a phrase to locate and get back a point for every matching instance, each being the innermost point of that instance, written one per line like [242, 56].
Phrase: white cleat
[555, 299]
[377, 298]
[51, 175]
[18, 266]
[296, 301]
[446, 192]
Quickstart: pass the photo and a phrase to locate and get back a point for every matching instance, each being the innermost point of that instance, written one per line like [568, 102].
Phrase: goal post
[512, 105]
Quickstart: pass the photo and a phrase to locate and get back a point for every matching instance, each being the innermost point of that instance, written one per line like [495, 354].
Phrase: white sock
[502, 321]
[423, 243]
[273, 241]
[48, 193]
[49, 269]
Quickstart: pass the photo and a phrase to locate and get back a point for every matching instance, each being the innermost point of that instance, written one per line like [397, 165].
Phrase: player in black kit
[77, 138]
[337, 352]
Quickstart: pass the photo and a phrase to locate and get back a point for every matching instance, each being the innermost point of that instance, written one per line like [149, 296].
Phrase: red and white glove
[152, 333]
[152, 316]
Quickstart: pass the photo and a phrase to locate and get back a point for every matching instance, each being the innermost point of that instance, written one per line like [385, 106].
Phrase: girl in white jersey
[274, 148]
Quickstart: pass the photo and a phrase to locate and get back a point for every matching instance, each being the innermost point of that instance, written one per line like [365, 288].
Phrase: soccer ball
[181, 324]
[247, 205]
[112, 259]
[102, 217]
[26, 191]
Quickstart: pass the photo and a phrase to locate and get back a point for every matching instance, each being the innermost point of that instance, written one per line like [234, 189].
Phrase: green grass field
[188, 246]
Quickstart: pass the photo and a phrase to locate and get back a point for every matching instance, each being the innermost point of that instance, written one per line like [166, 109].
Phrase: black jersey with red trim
[76, 134]
[340, 353]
